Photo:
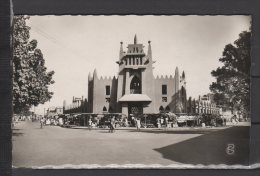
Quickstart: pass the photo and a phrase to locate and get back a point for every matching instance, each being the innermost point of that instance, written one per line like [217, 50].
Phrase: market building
[135, 89]
[77, 105]
[52, 111]
[203, 105]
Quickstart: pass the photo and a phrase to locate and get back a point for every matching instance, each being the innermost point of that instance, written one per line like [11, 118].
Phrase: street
[54, 145]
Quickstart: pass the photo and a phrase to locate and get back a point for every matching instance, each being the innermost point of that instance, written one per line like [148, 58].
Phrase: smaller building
[52, 111]
[203, 105]
[78, 105]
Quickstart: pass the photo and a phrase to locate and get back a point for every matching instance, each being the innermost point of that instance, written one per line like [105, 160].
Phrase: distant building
[135, 89]
[203, 105]
[52, 111]
[78, 105]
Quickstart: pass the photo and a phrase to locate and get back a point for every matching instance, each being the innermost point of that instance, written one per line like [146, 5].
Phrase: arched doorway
[135, 86]
[161, 109]
[135, 108]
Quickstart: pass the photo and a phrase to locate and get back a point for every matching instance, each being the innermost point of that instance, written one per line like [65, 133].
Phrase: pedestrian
[89, 123]
[133, 120]
[158, 123]
[138, 124]
[161, 120]
[166, 122]
[112, 125]
[236, 119]
[42, 122]
[225, 121]
[126, 122]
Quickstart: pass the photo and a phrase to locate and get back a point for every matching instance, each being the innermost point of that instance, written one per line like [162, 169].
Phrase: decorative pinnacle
[135, 39]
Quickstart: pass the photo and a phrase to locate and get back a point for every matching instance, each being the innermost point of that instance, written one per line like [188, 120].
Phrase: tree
[30, 77]
[232, 86]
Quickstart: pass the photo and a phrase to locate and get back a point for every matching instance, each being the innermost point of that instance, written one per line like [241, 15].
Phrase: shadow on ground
[211, 148]
[16, 132]
[188, 131]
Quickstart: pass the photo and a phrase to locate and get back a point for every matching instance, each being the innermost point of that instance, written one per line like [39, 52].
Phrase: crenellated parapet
[101, 78]
[106, 78]
[164, 77]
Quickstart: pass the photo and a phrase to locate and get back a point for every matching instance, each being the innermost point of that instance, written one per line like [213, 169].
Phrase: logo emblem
[230, 150]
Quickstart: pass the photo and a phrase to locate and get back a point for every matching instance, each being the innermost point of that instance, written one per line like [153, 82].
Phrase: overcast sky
[73, 46]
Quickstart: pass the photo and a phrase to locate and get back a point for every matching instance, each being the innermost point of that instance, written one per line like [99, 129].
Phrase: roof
[135, 97]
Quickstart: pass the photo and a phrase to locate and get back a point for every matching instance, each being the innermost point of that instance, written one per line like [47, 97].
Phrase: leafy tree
[30, 77]
[232, 86]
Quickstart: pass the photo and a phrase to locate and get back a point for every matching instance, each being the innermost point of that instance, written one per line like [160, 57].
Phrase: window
[108, 100]
[135, 86]
[161, 109]
[164, 99]
[164, 89]
[104, 109]
[107, 90]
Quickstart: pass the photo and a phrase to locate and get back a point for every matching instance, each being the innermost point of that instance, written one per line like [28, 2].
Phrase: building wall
[135, 63]
[148, 88]
[153, 88]
[169, 81]
[203, 106]
[99, 100]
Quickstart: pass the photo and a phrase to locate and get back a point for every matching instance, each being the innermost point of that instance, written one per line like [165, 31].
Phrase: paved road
[53, 145]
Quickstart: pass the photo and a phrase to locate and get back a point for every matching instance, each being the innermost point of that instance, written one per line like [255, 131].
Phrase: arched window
[135, 86]
[161, 109]
[167, 109]
[104, 109]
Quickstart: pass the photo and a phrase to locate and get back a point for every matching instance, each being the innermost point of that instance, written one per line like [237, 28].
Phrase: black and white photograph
[111, 91]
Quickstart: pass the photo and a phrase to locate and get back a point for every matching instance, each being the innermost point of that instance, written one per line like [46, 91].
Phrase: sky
[73, 46]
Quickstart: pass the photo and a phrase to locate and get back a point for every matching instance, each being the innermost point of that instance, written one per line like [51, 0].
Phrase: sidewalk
[229, 124]
[155, 129]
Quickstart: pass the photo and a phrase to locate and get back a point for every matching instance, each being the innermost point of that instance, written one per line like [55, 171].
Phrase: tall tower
[121, 52]
[135, 78]
[183, 92]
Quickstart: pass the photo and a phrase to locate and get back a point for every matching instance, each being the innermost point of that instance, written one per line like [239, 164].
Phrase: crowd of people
[114, 121]
[51, 121]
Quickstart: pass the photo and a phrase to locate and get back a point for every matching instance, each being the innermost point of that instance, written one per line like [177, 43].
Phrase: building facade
[52, 111]
[78, 105]
[203, 105]
[135, 89]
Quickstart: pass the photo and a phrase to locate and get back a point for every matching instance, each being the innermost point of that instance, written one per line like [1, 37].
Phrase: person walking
[138, 124]
[166, 120]
[42, 122]
[158, 123]
[89, 124]
[112, 125]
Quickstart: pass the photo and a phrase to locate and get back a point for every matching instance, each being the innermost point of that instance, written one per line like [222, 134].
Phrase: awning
[134, 97]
